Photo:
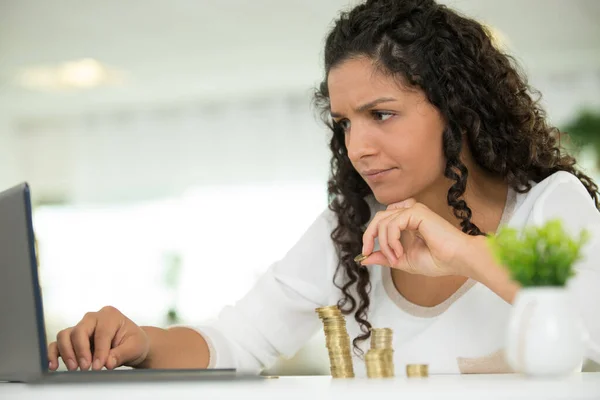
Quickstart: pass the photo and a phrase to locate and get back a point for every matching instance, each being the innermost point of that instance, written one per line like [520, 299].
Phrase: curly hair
[480, 93]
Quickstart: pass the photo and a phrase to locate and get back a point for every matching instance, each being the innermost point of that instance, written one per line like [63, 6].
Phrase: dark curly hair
[478, 90]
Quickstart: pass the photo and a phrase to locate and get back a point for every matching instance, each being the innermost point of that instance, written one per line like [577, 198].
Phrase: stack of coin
[381, 338]
[380, 357]
[338, 342]
[417, 370]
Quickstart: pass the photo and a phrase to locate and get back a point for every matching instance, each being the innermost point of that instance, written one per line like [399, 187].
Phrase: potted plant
[544, 334]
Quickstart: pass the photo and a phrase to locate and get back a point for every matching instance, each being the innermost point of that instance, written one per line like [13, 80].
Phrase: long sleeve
[566, 198]
[277, 316]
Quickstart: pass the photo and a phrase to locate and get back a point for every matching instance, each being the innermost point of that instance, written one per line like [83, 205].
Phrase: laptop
[23, 351]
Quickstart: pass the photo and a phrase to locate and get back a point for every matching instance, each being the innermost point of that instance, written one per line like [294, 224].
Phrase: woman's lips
[377, 174]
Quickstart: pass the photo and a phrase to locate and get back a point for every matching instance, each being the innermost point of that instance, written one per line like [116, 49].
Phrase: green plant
[538, 255]
[584, 130]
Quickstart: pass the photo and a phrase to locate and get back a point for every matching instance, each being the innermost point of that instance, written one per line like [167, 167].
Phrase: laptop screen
[22, 334]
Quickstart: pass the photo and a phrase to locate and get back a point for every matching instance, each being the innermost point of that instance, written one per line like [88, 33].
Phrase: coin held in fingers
[360, 258]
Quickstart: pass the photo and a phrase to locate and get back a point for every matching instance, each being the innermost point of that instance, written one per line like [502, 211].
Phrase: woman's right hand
[106, 338]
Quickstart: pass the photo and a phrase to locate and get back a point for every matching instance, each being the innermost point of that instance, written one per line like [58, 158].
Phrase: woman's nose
[359, 142]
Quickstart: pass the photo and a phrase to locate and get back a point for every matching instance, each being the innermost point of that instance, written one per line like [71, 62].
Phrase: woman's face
[393, 134]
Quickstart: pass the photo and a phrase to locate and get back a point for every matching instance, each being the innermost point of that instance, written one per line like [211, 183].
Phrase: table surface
[463, 387]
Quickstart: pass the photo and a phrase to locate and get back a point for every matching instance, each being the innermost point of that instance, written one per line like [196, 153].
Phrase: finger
[408, 203]
[113, 359]
[382, 236]
[372, 231]
[420, 220]
[376, 258]
[393, 236]
[128, 351]
[53, 356]
[65, 349]
[109, 324]
[80, 338]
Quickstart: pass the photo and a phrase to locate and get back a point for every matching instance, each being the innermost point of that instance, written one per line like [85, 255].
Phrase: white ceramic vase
[544, 335]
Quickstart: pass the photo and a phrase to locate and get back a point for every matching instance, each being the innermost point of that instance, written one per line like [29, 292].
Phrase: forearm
[175, 348]
[482, 267]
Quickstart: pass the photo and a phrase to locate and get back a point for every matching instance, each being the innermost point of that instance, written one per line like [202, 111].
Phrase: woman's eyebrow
[366, 106]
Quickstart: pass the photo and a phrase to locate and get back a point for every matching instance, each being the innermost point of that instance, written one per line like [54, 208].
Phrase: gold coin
[335, 347]
[360, 258]
[329, 310]
[417, 370]
[382, 331]
[381, 338]
[337, 341]
[380, 362]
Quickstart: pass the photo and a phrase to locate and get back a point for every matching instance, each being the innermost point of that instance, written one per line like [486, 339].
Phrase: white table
[463, 387]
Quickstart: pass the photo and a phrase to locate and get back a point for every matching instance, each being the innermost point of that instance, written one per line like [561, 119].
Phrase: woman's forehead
[358, 81]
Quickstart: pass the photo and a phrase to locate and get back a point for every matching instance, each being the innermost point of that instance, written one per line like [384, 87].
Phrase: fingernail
[113, 360]
[49, 364]
[97, 364]
[83, 364]
[71, 364]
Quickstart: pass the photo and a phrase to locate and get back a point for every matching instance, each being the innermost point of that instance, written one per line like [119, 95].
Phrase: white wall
[564, 94]
[140, 153]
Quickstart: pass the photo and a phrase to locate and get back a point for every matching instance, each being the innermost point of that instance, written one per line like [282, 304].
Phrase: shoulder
[316, 244]
[320, 229]
[327, 221]
[562, 196]
[558, 183]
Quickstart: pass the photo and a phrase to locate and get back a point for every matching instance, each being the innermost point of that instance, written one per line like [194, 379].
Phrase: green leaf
[538, 255]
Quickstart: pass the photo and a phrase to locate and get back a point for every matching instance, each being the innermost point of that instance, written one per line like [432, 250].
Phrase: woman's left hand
[417, 240]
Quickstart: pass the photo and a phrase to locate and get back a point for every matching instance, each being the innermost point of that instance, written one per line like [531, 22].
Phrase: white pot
[544, 333]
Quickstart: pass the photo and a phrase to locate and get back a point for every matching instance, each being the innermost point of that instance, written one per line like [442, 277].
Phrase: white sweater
[464, 334]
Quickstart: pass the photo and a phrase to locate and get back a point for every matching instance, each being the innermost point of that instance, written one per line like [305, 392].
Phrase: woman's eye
[382, 115]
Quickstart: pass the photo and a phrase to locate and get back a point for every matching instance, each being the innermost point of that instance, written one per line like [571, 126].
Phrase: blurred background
[172, 149]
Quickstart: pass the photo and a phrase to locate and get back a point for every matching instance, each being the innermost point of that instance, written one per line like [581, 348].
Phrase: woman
[436, 141]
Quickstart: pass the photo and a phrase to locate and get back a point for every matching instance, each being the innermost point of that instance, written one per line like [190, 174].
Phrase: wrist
[151, 334]
[480, 265]
[473, 255]
[176, 347]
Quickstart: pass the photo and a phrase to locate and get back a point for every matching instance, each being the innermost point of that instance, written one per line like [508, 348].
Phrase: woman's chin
[387, 197]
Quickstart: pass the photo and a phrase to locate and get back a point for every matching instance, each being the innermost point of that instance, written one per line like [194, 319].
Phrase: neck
[485, 195]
